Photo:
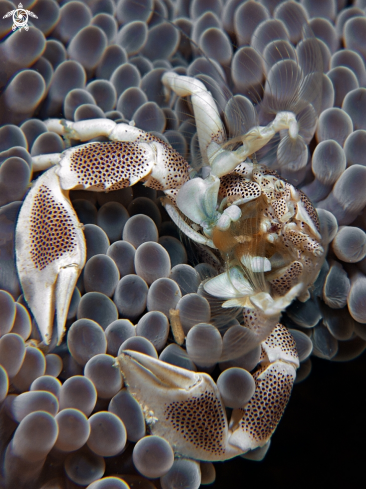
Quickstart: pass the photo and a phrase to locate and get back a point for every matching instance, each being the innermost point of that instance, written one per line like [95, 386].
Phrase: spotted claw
[183, 407]
[50, 253]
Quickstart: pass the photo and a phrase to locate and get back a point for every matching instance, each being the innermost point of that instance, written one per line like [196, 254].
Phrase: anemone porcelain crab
[241, 214]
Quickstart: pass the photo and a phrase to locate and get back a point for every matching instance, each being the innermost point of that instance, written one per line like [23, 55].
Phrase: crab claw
[50, 253]
[183, 407]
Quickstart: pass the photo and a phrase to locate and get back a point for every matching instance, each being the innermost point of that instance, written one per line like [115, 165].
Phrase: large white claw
[50, 252]
[183, 407]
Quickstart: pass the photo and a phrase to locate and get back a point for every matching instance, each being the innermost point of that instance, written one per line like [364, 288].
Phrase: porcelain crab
[243, 215]
[266, 231]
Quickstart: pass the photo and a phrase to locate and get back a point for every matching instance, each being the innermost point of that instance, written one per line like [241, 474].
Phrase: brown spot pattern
[200, 420]
[52, 231]
[103, 164]
[263, 412]
[251, 318]
[242, 169]
[280, 207]
[310, 209]
[285, 192]
[177, 167]
[280, 336]
[302, 241]
[262, 357]
[284, 283]
[235, 185]
[155, 184]
[262, 170]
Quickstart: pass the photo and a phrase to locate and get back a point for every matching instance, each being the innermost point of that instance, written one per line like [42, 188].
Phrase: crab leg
[92, 128]
[50, 252]
[210, 129]
[43, 162]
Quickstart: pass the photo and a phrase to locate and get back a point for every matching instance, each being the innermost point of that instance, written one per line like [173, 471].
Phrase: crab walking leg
[183, 407]
[253, 425]
[43, 162]
[210, 129]
[92, 128]
[50, 252]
